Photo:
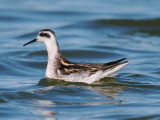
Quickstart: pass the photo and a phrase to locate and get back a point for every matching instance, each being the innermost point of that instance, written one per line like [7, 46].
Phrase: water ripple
[128, 22]
[88, 32]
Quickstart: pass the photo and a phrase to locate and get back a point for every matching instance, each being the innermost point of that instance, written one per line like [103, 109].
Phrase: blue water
[88, 31]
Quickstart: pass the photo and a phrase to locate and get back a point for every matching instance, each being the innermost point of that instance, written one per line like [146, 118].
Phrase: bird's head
[47, 36]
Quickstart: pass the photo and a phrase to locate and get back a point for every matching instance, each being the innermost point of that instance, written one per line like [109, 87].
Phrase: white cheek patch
[41, 39]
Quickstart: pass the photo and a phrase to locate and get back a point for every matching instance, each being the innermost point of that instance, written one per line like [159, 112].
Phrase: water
[88, 31]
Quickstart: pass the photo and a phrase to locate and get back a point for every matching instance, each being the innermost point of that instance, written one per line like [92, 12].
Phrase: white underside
[86, 77]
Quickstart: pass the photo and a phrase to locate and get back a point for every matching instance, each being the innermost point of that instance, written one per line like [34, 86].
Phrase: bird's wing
[66, 67]
[114, 62]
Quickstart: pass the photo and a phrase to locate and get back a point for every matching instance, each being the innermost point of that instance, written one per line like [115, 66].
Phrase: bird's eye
[44, 35]
[41, 34]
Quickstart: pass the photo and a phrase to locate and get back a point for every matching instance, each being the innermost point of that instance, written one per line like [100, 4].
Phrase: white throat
[53, 53]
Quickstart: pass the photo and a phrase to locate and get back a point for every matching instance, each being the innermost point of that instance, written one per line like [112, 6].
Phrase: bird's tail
[114, 62]
[118, 66]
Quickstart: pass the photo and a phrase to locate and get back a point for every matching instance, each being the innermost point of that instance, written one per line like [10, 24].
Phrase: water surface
[96, 31]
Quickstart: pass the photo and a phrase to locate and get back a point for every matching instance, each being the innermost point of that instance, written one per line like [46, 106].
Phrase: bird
[58, 67]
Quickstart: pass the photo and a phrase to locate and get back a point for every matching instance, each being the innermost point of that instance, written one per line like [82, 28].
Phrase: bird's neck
[53, 54]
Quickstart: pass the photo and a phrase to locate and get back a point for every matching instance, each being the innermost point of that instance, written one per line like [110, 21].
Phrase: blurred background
[88, 31]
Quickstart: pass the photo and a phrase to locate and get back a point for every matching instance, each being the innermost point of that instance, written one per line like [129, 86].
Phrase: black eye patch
[44, 35]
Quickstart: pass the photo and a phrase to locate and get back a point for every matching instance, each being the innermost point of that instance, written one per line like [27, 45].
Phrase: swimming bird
[59, 67]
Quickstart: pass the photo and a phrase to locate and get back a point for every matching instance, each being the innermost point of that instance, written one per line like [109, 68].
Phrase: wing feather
[66, 67]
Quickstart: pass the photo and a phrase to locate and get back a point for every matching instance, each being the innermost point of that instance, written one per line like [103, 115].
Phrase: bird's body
[59, 67]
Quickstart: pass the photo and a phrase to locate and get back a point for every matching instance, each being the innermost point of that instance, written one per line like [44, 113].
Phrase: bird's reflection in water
[106, 86]
[41, 108]
[106, 90]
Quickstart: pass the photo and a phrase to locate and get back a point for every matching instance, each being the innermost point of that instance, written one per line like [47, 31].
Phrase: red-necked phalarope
[59, 67]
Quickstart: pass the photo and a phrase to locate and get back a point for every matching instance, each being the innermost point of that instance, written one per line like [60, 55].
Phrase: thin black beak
[32, 41]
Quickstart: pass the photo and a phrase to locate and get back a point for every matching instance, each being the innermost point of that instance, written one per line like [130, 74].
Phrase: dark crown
[48, 30]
